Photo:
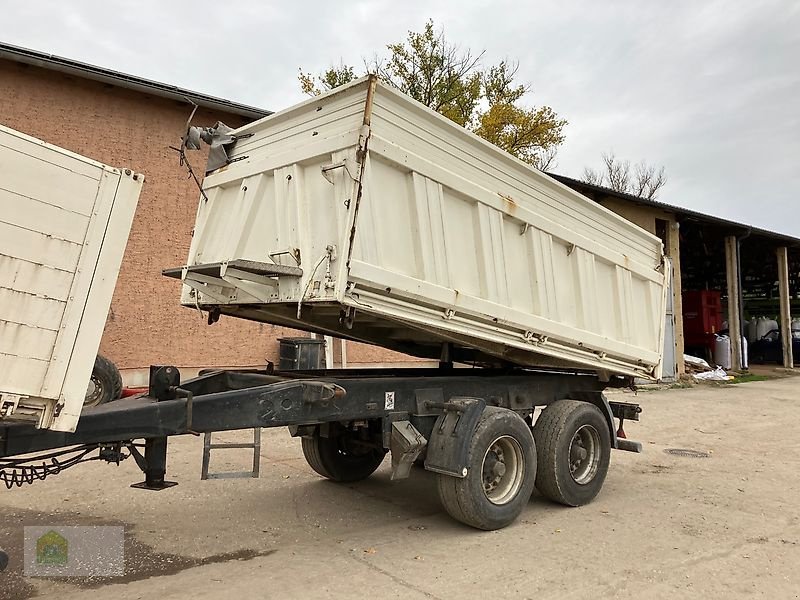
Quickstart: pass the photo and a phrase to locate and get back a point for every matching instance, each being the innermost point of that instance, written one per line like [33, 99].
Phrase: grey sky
[710, 89]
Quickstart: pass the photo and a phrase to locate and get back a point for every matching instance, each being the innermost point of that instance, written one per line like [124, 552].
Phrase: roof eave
[677, 210]
[139, 84]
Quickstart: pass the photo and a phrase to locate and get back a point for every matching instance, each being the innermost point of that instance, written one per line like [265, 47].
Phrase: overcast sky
[709, 89]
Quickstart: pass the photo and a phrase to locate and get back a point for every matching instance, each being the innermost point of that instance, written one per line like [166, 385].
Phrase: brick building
[130, 122]
[126, 121]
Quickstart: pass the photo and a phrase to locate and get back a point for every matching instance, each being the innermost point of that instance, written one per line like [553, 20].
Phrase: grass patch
[681, 385]
[748, 377]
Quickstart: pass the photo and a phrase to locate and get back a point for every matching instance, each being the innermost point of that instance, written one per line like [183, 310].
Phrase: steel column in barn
[734, 311]
[786, 313]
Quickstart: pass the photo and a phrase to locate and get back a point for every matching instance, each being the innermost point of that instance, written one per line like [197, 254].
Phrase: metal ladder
[208, 446]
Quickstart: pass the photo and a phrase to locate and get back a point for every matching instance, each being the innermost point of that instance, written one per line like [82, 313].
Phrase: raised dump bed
[64, 224]
[363, 214]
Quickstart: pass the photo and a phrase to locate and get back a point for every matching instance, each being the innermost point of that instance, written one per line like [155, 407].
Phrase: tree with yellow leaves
[439, 74]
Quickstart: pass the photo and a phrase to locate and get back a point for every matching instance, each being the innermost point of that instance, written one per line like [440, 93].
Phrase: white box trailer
[64, 224]
[363, 214]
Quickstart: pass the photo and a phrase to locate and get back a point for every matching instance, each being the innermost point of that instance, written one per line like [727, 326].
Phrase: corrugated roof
[678, 210]
[140, 84]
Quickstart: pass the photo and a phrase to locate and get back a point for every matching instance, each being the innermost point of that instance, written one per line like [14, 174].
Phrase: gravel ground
[664, 526]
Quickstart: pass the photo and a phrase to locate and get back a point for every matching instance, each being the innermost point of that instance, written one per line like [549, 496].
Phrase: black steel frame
[305, 400]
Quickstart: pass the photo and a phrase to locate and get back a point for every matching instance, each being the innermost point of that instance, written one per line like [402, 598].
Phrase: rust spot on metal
[508, 202]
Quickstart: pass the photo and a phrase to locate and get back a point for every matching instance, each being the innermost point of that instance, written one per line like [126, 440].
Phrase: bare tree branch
[592, 177]
[545, 160]
[643, 180]
[618, 172]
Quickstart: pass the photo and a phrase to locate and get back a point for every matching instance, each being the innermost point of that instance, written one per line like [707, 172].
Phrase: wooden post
[734, 311]
[674, 252]
[786, 311]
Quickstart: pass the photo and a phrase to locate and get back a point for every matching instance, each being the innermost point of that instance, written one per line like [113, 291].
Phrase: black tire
[105, 384]
[501, 436]
[336, 459]
[574, 449]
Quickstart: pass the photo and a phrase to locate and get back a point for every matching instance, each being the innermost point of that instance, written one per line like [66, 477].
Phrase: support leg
[155, 465]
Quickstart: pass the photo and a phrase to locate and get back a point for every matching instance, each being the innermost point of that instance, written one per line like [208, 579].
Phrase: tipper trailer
[64, 225]
[363, 214]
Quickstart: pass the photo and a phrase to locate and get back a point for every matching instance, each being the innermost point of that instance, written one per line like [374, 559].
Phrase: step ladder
[208, 446]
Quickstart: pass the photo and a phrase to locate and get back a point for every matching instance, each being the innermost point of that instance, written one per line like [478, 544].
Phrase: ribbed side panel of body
[412, 233]
[56, 264]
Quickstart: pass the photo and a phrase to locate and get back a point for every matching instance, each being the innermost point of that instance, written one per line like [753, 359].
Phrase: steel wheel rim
[502, 470]
[584, 454]
[94, 392]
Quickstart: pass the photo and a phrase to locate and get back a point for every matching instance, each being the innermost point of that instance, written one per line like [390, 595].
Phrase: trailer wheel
[338, 459]
[105, 384]
[500, 475]
[574, 449]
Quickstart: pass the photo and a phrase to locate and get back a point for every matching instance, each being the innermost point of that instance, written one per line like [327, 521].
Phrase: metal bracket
[8, 404]
[343, 164]
[164, 380]
[625, 410]
[448, 447]
[347, 317]
[406, 445]
[291, 252]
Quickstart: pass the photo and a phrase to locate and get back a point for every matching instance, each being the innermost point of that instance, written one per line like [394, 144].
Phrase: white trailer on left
[64, 225]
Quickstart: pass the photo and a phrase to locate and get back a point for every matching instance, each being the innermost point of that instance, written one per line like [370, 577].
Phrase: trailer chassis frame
[402, 410]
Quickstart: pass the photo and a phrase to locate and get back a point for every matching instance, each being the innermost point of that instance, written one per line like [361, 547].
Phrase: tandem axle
[478, 429]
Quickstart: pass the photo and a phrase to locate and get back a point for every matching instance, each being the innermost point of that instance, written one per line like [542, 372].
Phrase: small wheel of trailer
[500, 475]
[341, 457]
[574, 449]
[105, 384]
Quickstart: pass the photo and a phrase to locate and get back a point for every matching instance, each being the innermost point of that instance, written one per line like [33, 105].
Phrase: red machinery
[702, 318]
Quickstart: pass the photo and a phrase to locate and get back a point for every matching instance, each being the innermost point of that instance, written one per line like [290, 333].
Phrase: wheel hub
[94, 391]
[584, 454]
[503, 470]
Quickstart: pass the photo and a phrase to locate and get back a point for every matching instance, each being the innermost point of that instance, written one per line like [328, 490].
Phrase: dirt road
[664, 526]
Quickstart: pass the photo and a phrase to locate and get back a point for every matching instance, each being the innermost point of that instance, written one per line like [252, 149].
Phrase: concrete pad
[664, 526]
